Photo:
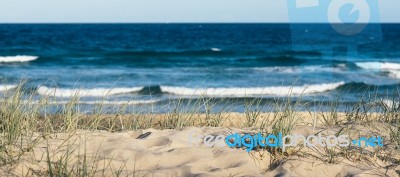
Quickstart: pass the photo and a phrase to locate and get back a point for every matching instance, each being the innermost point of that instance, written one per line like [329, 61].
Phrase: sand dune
[168, 153]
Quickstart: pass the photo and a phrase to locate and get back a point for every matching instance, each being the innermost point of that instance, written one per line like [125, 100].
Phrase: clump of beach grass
[215, 119]
[176, 119]
[17, 125]
[253, 110]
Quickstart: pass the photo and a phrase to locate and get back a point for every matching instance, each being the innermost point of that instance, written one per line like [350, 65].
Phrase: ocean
[155, 64]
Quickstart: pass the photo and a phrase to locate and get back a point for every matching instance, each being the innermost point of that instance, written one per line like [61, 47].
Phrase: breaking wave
[95, 92]
[392, 68]
[18, 58]
[237, 92]
[7, 87]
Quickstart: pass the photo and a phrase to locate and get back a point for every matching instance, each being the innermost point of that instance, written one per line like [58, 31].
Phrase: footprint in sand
[160, 141]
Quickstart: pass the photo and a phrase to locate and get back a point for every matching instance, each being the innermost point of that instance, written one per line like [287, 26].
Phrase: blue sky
[20, 11]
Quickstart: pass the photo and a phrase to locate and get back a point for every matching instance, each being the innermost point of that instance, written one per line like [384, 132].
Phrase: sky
[160, 11]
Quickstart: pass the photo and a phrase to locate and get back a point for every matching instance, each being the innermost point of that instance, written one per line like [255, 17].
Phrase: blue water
[160, 62]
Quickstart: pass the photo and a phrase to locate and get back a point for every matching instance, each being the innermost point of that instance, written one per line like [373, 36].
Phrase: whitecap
[242, 91]
[134, 102]
[216, 50]
[18, 58]
[392, 68]
[54, 102]
[7, 87]
[94, 92]
[297, 69]
[378, 65]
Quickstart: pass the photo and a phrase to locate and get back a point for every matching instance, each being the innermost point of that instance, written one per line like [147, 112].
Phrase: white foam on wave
[394, 73]
[216, 50]
[236, 92]
[95, 92]
[18, 58]
[378, 65]
[7, 87]
[389, 103]
[392, 68]
[298, 69]
[134, 102]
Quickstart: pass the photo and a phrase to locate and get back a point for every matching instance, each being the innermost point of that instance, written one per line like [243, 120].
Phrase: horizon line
[5, 23]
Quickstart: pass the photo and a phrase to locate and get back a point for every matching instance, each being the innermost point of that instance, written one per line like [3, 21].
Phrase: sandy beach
[169, 152]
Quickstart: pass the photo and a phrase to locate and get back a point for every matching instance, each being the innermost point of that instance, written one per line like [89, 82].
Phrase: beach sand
[168, 152]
